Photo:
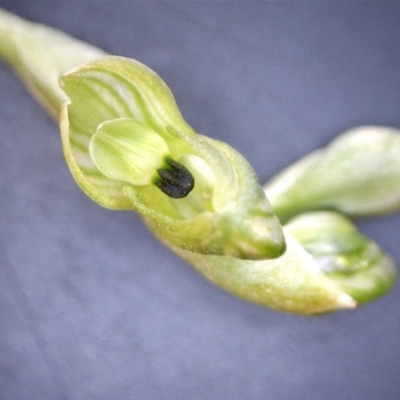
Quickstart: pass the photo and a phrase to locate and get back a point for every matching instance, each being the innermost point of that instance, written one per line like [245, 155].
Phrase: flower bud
[352, 261]
[358, 174]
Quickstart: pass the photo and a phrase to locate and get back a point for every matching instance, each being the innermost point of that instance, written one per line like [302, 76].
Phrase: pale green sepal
[291, 283]
[352, 261]
[106, 89]
[128, 151]
[357, 174]
[250, 222]
[101, 189]
[40, 54]
[119, 87]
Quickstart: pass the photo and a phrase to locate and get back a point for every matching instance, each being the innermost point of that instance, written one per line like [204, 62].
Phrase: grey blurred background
[92, 307]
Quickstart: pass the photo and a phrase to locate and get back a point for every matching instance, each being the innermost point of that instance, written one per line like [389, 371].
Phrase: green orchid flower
[129, 148]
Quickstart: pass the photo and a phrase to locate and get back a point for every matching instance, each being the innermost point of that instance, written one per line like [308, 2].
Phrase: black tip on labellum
[174, 180]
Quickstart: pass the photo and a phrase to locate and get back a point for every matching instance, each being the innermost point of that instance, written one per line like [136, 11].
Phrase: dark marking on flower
[174, 179]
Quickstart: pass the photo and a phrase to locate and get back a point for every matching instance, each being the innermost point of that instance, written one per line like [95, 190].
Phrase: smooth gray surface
[93, 308]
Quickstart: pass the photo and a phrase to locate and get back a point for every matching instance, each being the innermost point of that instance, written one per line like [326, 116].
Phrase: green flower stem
[129, 148]
[39, 54]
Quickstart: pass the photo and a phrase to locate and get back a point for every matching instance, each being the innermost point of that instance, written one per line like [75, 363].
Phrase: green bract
[129, 148]
[291, 283]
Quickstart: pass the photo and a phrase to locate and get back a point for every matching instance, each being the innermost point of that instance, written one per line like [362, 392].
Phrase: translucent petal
[127, 150]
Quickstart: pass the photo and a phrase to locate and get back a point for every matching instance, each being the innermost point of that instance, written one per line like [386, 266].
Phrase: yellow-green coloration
[119, 113]
[125, 157]
[291, 283]
[124, 139]
[39, 54]
[354, 262]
